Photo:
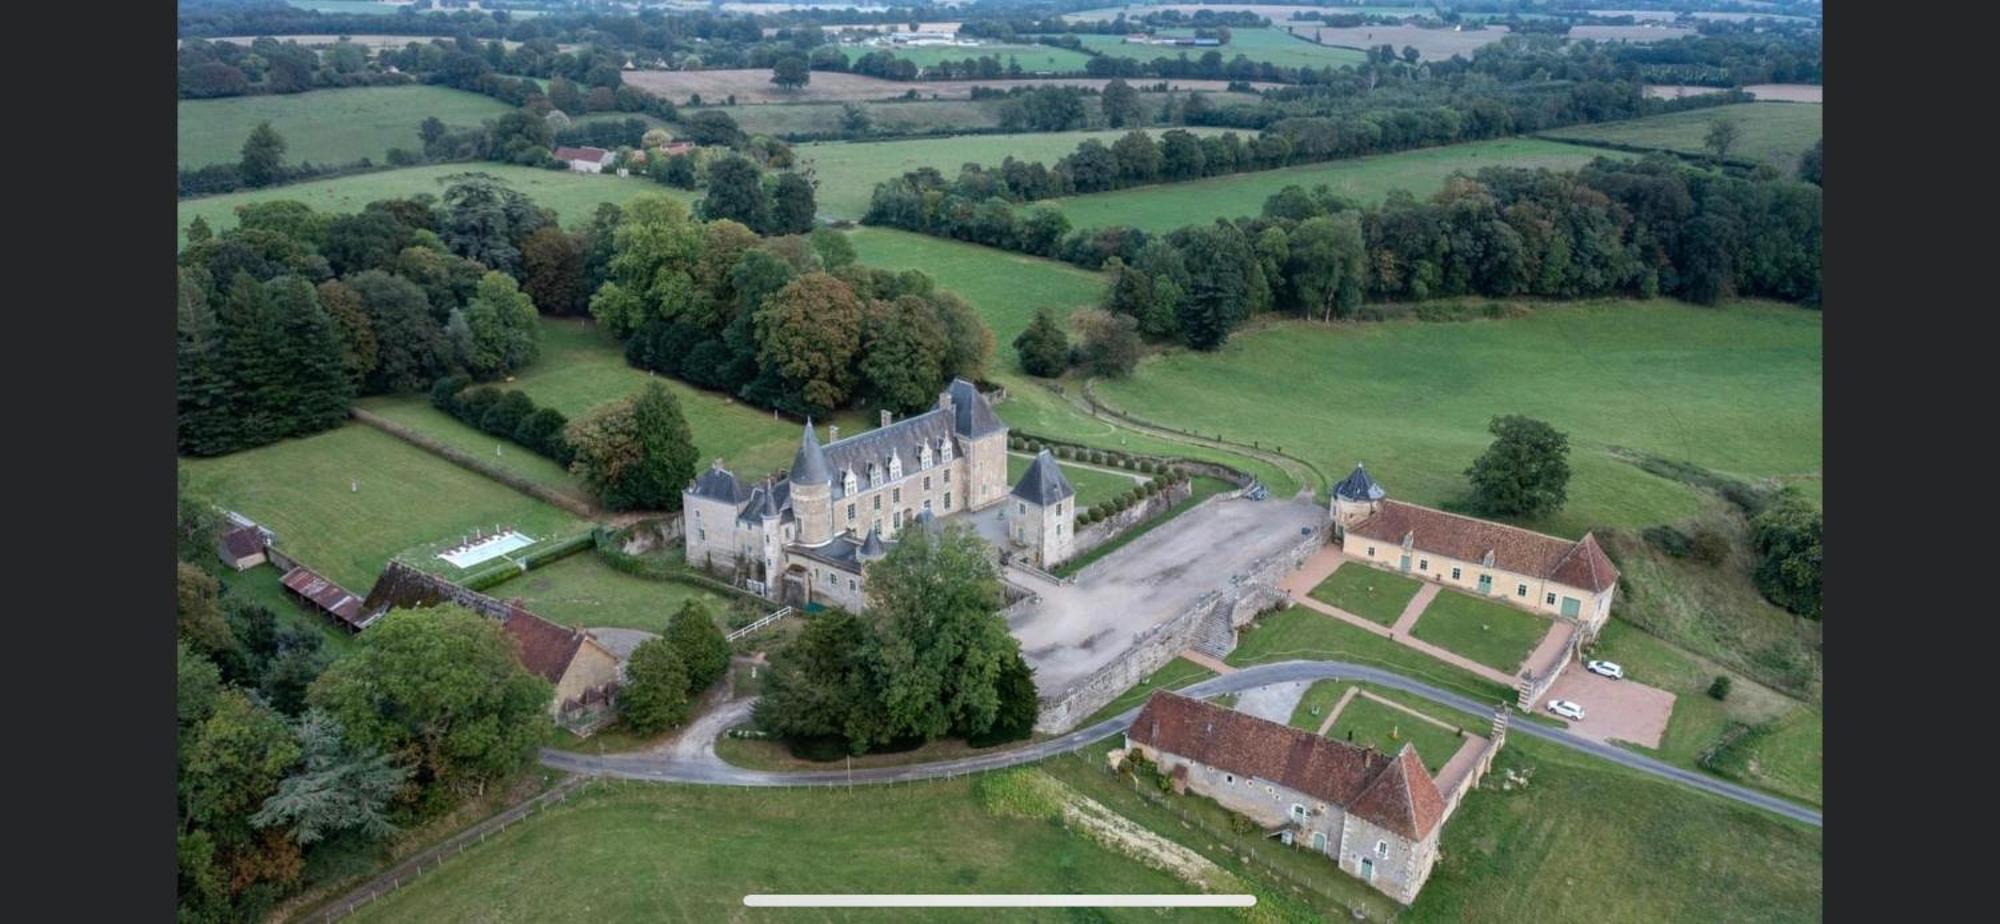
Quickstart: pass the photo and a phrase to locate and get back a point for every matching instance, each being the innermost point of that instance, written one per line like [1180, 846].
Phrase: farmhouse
[581, 669]
[1376, 815]
[808, 537]
[1573, 579]
[585, 159]
[241, 547]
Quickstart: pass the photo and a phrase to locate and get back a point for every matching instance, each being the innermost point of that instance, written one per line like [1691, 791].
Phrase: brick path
[1208, 662]
[1335, 712]
[1415, 608]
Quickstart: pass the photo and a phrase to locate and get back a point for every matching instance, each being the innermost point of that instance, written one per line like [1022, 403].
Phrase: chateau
[808, 537]
[1531, 570]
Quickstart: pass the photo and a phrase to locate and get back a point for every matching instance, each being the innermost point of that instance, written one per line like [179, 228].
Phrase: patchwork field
[753, 85]
[847, 171]
[1431, 44]
[581, 590]
[325, 126]
[1735, 388]
[1771, 132]
[1277, 13]
[1034, 59]
[632, 851]
[1422, 172]
[1265, 46]
[574, 196]
[304, 490]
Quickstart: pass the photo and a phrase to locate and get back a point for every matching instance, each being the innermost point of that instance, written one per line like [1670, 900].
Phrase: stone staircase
[1215, 637]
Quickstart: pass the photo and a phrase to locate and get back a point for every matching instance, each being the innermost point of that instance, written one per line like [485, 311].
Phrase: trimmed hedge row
[509, 415]
[504, 570]
[1129, 499]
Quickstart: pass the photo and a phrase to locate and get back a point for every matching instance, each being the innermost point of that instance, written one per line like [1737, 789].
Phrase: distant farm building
[584, 159]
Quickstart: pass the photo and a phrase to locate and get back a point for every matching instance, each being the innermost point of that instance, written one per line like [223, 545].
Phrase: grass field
[1006, 288]
[416, 413]
[574, 196]
[1034, 59]
[301, 489]
[1367, 722]
[1772, 133]
[639, 851]
[326, 126]
[887, 118]
[1422, 172]
[847, 171]
[261, 585]
[1493, 634]
[1735, 388]
[1092, 484]
[753, 85]
[581, 590]
[1367, 592]
[1587, 841]
[1303, 634]
[1265, 46]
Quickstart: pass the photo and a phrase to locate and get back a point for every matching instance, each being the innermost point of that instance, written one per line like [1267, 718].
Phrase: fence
[759, 624]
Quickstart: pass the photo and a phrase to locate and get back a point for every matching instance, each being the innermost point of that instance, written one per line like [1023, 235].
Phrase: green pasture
[1264, 46]
[326, 126]
[1034, 59]
[1367, 722]
[1301, 634]
[1771, 132]
[581, 590]
[416, 413]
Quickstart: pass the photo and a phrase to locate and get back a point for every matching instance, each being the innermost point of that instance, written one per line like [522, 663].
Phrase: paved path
[1415, 608]
[1460, 764]
[1333, 715]
[709, 769]
[1409, 641]
[1207, 661]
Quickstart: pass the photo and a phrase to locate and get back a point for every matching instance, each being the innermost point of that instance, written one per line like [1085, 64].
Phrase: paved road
[684, 766]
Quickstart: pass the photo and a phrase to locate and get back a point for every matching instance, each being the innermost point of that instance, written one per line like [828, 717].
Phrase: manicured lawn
[1034, 59]
[302, 489]
[1735, 388]
[1773, 133]
[1092, 484]
[1203, 489]
[847, 171]
[574, 196]
[581, 590]
[1367, 592]
[1319, 699]
[416, 413]
[261, 585]
[1493, 634]
[1165, 207]
[639, 851]
[1588, 841]
[1176, 674]
[1270, 45]
[326, 126]
[1366, 721]
[1300, 634]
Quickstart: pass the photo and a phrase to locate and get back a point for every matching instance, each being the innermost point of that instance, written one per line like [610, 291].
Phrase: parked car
[1607, 669]
[1566, 709]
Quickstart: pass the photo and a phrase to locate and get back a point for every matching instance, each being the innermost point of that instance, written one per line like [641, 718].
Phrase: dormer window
[874, 475]
[944, 450]
[895, 466]
[848, 483]
[923, 457]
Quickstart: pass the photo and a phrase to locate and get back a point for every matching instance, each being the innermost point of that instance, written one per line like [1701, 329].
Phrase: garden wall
[1103, 531]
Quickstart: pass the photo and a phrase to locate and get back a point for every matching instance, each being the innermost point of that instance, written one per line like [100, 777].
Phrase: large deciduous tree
[635, 453]
[1787, 536]
[554, 271]
[505, 328]
[263, 156]
[1525, 472]
[655, 694]
[1043, 346]
[808, 334]
[904, 350]
[736, 192]
[700, 645]
[791, 72]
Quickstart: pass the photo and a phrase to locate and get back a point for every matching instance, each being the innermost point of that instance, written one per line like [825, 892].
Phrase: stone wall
[1153, 506]
[1240, 598]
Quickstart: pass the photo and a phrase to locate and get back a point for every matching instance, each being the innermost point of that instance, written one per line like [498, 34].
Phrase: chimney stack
[885, 417]
[833, 433]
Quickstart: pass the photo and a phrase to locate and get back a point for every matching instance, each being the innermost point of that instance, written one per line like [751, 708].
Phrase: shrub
[1719, 688]
[473, 404]
[444, 393]
[1668, 539]
[1709, 545]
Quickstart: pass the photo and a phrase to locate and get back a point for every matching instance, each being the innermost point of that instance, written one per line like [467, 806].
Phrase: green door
[1571, 605]
[1406, 564]
[1486, 583]
[1367, 870]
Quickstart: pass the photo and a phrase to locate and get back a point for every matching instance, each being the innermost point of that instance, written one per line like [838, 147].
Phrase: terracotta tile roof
[243, 542]
[326, 595]
[594, 155]
[1403, 798]
[1577, 564]
[545, 648]
[1341, 773]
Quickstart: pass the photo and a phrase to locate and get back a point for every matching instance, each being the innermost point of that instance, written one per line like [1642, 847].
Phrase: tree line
[791, 323]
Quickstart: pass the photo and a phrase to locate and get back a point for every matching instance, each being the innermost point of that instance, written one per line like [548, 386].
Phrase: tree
[713, 127]
[204, 422]
[506, 330]
[553, 271]
[821, 685]
[792, 206]
[833, 247]
[736, 192]
[1325, 260]
[809, 334]
[199, 616]
[440, 691]
[198, 230]
[650, 275]
[1525, 472]
[410, 346]
[635, 453]
[1787, 536]
[655, 693]
[1044, 347]
[233, 762]
[1722, 135]
[903, 352]
[855, 118]
[359, 351]
[336, 788]
[485, 221]
[699, 644]
[1810, 168]
[1110, 342]
[263, 156]
[564, 95]
[941, 645]
[1121, 104]
[791, 72]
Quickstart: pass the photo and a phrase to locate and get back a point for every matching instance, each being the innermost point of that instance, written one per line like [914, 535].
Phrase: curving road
[692, 758]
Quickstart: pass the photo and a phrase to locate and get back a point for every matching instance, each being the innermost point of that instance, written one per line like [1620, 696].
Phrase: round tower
[812, 491]
[1356, 498]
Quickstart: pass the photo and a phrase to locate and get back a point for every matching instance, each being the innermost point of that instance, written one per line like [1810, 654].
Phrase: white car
[1606, 669]
[1566, 709]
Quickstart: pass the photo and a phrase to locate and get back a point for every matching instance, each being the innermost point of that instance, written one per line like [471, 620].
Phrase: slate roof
[972, 414]
[1576, 564]
[1043, 483]
[545, 649]
[1395, 793]
[719, 484]
[809, 464]
[768, 500]
[1358, 486]
[872, 548]
[902, 439]
[842, 552]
